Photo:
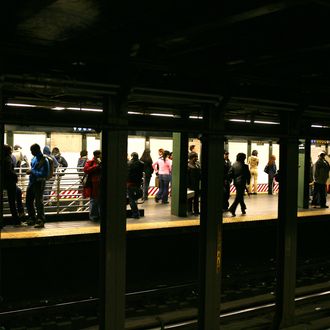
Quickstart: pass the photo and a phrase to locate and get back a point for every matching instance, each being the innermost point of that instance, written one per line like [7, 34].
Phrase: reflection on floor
[157, 216]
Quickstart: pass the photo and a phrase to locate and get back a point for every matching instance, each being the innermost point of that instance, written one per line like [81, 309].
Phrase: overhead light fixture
[195, 117]
[319, 126]
[21, 105]
[58, 108]
[240, 120]
[162, 115]
[134, 113]
[266, 122]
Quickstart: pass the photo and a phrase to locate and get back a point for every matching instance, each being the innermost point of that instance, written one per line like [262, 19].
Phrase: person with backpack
[53, 165]
[62, 163]
[34, 194]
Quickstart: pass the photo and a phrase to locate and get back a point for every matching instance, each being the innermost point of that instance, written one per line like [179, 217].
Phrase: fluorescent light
[21, 105]
[319, 126]
[240, 120]
[134, 113]
[84, 109]
[162, 115]
[195, 117]
[58, 108]
[266, 122]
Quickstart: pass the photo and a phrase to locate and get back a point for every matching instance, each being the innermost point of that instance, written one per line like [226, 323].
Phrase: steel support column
[113, 223]
[287, 227]
[211, 223]
[179, 176]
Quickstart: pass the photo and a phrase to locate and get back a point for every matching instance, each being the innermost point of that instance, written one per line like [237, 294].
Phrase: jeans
[34, 195]
[15, 201]
[94, 209]
[164, 181]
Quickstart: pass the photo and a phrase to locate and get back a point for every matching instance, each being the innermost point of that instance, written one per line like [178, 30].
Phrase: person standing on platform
[35, 190]
[240, 173]
[192, 149]
[193, 182]
[50, 181]
[321, 174]
[62, 163]
[271, 170]
[134, 182]
[163, 166]
[253, 161]
[148, 170]
[226, 181]
[14, 193]
[93, 169]
[82, 162]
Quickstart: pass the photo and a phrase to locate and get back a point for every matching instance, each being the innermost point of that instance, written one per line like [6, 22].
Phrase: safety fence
[63, 192]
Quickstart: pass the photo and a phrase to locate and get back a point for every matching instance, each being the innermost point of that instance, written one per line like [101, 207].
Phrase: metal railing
[63, 192]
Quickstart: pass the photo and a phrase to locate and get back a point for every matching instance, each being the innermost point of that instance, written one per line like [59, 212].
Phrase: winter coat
[240, 173]
[93, 169]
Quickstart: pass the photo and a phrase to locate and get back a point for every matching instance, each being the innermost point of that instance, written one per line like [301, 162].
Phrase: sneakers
[39, 224]
[156, 199]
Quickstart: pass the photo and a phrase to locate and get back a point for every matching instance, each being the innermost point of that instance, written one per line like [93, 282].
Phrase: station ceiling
[261, 56]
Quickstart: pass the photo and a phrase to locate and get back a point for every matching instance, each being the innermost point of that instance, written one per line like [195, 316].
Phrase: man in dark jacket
[240, 173]
[134, 182]
[10, 184]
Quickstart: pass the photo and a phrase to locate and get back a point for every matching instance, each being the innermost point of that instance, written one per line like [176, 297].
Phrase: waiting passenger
[50, 182]
[134, 182]
[148, 170]
[321, 174]
[253, 161]
[163, 167]
[226, 180]
[191, 149]
[62, 163]
[271, 170]
[82, 161]
[240, 173]
[21, 160]
[14, 193]
[93, 168]
[35, 190]
[193, 182]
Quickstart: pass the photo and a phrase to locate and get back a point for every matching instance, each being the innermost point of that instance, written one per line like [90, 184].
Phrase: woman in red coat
[93, 168]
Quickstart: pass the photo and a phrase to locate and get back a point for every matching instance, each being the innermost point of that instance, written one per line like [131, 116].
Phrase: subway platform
[261, 207]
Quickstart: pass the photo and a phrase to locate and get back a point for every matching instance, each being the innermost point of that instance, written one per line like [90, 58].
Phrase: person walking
[163, 166]
[240, 173]
[35, 191]
[134, 182]
[253, 162]
[148, 170]
[93, 169]
[321, 175]
[271, 170]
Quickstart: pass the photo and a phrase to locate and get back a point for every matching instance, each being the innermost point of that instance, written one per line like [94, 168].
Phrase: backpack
[51, 167]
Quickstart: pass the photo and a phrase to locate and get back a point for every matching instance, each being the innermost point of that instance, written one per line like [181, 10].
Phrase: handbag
[86, 181]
